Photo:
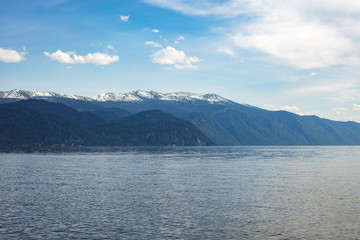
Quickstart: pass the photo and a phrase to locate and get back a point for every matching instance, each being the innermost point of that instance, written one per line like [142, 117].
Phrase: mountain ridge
[24, 95]
[37, 123]
[223, 121]
[140, 95]
[135, 96]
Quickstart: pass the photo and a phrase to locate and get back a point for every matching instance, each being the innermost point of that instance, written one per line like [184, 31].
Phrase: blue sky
[302, 55]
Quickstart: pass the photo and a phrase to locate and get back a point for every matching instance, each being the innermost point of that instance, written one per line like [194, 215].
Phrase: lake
[182, 193]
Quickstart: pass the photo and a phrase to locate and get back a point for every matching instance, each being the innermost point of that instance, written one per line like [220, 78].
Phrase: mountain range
[38, 123]
[220, 120]
[136, 96]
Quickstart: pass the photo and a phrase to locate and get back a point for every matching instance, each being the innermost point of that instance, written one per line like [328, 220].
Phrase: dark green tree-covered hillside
[224, 122]
[152, 128]
[21, 126]
[35, 123]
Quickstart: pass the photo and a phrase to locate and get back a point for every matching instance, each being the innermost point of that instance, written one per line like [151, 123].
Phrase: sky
[301, 56]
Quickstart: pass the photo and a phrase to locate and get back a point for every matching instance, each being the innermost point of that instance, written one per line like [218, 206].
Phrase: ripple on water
[182, 193]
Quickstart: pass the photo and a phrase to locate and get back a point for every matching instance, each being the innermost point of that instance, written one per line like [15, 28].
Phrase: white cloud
[202, 8]
[338, 110]
[227, 51]
[270, 107]
[171, 56]
[356, 107]
[154, 30]
[152, 44]
[124, 18]
[232, 8]
[300, 43]
[303, 33]
[290, 109]
[11, 56]
[282, 108]
[111, 47]
[293, 109]
[176, 42]
[72, 58]
[313, 74]
[181, 38]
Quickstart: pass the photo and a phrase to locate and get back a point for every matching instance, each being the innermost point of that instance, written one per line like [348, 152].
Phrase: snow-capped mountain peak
[135, 96]
[22, 94]
[117, 97]
[139, 95]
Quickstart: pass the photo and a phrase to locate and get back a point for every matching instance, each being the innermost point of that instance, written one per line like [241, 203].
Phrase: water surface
[182, 193]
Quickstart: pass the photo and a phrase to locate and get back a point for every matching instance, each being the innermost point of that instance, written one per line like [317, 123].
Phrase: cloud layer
[338, 110]
[11, 56]
[204, 8]
[72, 58]
[178, 59]
[303, 33]
[335, 91]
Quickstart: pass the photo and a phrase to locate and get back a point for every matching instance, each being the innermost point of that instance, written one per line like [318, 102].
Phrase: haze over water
[182, 193]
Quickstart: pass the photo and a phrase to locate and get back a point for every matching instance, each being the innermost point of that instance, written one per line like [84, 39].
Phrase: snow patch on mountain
[21, 94]
[117, 97]
[138, 96]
